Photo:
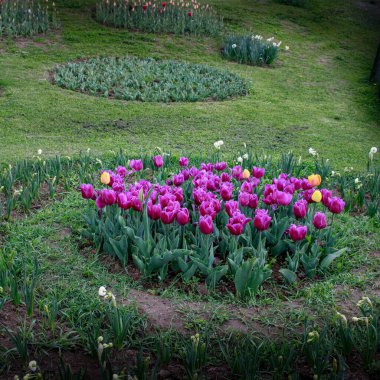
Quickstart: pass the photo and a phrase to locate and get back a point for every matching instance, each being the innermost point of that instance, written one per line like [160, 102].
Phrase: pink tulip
[283, 199]
[136, 165]
[206, 225]
[336, 205]
[220, 166]
[300, 209]
[123, 201]
[108, 197]
[183, 216]
[184, 161]
[88, 191]
[237, 223]
[326, 195]
[262, 219]
[154, 211]
[121, 171]
[226, 191]
[320, 220]
[158, 161]
[231, 207]
[258, 172]
[244, 199]
[178, 179]
[297, 233]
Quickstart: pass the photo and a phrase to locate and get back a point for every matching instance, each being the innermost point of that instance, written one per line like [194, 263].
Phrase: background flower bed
[251, 49]
[160, 16]
[149, 80]
[26, 17]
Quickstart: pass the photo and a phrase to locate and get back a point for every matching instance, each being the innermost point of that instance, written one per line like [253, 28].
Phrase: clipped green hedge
[149, 80]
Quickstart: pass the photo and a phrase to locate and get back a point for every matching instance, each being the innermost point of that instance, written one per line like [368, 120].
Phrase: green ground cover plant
[149, 80]
[158, 16]
[27, 17]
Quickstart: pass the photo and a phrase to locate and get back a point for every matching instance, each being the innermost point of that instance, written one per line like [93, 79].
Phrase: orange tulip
[246, 174]
[314, 179]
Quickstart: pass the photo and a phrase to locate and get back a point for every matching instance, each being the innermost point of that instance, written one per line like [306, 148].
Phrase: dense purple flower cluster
[215, 188]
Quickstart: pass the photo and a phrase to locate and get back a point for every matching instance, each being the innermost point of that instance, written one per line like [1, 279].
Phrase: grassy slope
[316, 94]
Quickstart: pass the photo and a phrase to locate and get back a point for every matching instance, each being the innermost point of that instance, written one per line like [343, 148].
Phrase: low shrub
[149, 80]
[26, 17]
[158, 16]
[251, 49]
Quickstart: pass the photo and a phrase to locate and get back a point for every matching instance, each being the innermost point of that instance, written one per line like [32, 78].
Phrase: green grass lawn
[316, 94]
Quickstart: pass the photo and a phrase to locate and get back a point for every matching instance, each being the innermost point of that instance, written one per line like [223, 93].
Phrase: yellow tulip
[314, 179]
[246, 174]
[317, 196]
[105, 178]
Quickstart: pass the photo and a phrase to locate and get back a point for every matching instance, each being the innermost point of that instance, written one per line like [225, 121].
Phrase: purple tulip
[300, 209]
[169, 213]
[283, 199]
[183, 216]
[199, 195]
[237, 223]
[320, 220]
[136, 165]
[136, 204]
[247, 187]
[121, 171]
[186, 174]
[225, 177]
[237, 172]
[336, 205]
[154, 211]
[208, 208]
[297, 233]
[123, 201]
[108, 197]
[326, 195]
[253, 201]
[178, 179]
[226, 191]
[258, 172]
[158, 161]
[99, 202]
[206, 225]
[183, 161]
[231, 207]
[244, 199]
[262, 219]
[220, 166]
[88, 191]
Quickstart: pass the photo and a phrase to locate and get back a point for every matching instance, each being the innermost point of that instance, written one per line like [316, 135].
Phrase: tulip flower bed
[214, 221]
[26, 17]
[160, 16]
[251, 49]
[149, 80]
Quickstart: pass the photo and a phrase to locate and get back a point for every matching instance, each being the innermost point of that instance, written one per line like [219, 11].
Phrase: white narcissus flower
[240, 159]
[372, 152]
[357, 180]
[313, 152]
[233, 46]
[39, 151]
[33, 365]
[218, 144]
[245, 156]
[102, 291]
[287, 47]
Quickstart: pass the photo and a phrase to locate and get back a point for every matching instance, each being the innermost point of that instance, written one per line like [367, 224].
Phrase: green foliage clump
[26, 17]
[149, 80]
[250, 49]
[160, 16]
